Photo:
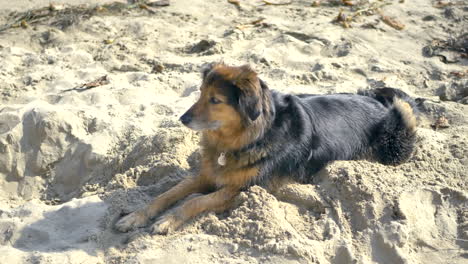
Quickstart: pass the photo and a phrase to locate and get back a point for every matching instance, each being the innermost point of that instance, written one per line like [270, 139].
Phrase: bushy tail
[397, 135]
[387, 96]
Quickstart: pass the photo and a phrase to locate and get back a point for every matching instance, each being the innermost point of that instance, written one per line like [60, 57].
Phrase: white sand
[72, 162]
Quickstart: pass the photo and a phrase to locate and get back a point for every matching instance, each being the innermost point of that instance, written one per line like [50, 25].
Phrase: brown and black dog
[253, 135]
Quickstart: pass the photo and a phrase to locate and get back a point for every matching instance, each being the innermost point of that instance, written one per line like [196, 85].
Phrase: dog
[254, 135]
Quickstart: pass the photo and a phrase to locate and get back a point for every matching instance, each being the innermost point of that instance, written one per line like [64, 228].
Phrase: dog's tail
[397, 134]
[387, 96]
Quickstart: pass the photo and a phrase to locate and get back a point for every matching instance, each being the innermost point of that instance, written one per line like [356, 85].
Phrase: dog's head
[230, 97]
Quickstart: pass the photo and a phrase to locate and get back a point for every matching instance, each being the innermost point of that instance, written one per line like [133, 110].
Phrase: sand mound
[59, 233]
[76, 153]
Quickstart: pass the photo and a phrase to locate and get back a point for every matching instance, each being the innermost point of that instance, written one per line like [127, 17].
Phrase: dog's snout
[186, 118]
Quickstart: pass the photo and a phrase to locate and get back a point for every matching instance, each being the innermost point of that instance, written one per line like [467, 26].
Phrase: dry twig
[234, 2]
[442, 4]
[392, 22]
[250, 24]
[459, 74]
[346, 19]
[266, 2]
[61, 12]
[86, 86]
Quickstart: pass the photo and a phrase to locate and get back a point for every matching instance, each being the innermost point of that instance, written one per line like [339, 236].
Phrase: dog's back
[312, 130]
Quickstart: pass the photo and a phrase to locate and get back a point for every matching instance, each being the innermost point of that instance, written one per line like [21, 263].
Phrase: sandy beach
[91, 94]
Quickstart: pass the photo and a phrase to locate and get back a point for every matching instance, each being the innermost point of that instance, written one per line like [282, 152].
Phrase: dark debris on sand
[63, 16]
[450, 50]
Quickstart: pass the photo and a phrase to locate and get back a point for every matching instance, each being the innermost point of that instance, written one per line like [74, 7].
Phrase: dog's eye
[213, 100]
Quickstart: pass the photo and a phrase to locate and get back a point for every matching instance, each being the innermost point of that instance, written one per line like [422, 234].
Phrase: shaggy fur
[252, 135]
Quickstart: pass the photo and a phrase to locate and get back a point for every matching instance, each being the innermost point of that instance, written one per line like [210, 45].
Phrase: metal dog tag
[222, 159]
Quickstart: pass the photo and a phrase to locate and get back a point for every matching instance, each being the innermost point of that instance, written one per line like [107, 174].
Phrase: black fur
[248, 105]
[206, 68]
[394, 142]
[306, 132]
[386, 96]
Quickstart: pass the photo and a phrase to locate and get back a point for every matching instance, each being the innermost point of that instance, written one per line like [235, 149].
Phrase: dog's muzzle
[186, 118]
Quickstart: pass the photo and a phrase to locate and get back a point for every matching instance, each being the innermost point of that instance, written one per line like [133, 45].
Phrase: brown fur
[407, 113]
[228, 179]
[235, 134]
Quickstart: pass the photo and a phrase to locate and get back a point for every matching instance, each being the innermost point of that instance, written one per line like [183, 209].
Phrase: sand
[74, 158]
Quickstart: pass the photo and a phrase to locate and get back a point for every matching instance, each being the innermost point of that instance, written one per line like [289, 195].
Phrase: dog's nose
[186, 118]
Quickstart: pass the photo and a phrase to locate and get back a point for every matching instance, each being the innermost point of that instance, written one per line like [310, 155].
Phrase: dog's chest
[228, 169]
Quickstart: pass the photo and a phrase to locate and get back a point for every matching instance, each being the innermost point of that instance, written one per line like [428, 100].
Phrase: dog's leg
[217, 201]
[141, 216]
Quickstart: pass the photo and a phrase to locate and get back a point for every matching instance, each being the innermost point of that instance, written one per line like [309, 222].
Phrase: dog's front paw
[166, 224]
[132, 221]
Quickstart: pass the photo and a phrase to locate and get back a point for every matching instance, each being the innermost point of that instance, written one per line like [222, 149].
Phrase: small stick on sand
[253, 23]
[98, 82]
[392, 22]
[276, 4]
[442, 4]
[346, 19]
[347, 3]
[234, 2]
[158, 3]
[148, 8]
[459, 74]
[55, 11]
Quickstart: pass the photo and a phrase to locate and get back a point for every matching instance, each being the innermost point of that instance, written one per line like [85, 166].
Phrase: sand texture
[89, 107]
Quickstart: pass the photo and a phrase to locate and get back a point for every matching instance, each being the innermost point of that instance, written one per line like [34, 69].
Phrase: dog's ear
[250, 92]
[263, 84]
[206, 68]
